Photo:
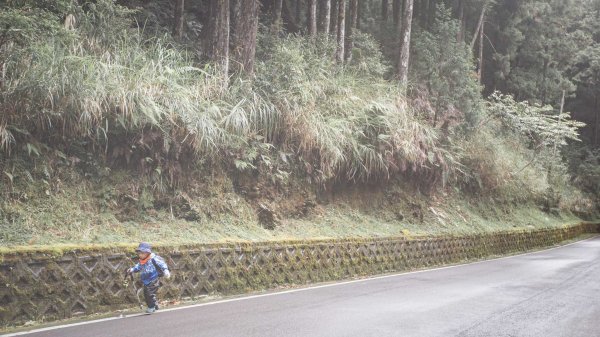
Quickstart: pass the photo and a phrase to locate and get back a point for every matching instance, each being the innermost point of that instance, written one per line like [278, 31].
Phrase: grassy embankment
[108, 135]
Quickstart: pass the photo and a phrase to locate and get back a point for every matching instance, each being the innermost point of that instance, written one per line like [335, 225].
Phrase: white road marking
[276, 293]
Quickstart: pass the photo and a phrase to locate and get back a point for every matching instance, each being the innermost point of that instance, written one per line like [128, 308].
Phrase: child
[152, 266]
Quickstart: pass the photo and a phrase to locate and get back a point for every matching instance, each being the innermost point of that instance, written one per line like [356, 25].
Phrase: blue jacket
[148, 271]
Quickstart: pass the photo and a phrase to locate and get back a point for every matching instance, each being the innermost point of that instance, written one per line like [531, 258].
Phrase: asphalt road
[549, 293]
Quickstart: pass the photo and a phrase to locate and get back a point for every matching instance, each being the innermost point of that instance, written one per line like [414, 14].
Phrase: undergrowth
[140, 120]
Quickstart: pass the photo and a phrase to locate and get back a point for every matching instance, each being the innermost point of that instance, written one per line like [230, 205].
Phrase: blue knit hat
[144, 247]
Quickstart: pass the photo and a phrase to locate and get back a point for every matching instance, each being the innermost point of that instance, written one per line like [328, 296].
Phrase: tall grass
[349, 122]
[119, 95]
[106, 90]
[56, 90]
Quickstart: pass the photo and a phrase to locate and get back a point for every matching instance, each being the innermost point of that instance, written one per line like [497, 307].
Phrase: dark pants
[150, 293]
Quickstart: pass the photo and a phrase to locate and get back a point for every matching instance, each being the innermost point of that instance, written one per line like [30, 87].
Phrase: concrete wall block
[41, 286]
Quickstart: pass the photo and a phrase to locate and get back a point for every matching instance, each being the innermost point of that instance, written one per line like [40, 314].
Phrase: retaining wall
[44, 285]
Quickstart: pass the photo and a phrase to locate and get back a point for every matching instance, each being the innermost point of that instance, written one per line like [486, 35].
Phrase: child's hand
[167, 274]
[129, 271]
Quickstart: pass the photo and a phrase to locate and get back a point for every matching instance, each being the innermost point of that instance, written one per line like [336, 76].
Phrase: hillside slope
[114, 131]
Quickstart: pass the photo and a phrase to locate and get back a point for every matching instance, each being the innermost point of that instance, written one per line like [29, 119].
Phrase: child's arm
[135, 268]
[162, 265]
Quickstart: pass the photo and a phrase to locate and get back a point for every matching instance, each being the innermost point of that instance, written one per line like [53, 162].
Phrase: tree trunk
[596, 122]
[350, 28]
[354, 14]
[178, 24]
[333, 27]
[562, 108]
[461, 20]
[299, 13]
[476, 35]
[542, 85]
[385, 5]
[311, 18]
[266, 5]
[244, 38]
[288, 20]
[359, 13]
[424, 13]
[219, 37]
[277, 12]
[404, 52]
[397, 12]
[341, 30]
[324, 16]
[235, 12]
[480, 68]
[432, 13]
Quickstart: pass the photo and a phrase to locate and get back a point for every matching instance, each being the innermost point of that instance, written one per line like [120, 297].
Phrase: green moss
[306, 264]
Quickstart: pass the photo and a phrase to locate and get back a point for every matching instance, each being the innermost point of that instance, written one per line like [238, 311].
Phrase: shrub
[443, 67]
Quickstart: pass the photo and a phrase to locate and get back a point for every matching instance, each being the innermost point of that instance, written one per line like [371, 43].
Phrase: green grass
[75, 216]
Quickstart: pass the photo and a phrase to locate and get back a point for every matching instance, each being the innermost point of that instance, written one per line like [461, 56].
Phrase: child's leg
[150, 293]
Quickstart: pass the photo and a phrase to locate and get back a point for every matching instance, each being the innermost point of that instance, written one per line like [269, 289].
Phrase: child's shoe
[150, 310]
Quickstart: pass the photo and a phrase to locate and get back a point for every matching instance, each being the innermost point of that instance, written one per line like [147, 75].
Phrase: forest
[213, 120]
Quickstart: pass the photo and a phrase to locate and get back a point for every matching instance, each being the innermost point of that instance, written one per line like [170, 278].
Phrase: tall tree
[288, 19]
[311, 18]
[324, 16]
[178, 22]
[424, 11]
[534, 42]
[333, 27]
[341, 30]
[480, 67]
[350, 28]
[299, 12]
[397, 12]
[244, 36]
[277, 12]
[404, 52]
[461, 19]
[443, 66]
[219, 34]
[479, 24]
[359, 14]
[596, 121]
[385, 6]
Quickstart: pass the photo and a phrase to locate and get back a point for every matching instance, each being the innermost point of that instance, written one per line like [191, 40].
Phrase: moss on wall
[50, 283]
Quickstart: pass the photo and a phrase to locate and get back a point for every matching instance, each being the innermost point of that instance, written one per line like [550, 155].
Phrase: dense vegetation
[116, 114]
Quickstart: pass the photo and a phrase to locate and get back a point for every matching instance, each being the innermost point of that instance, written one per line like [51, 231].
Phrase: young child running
[152, 267]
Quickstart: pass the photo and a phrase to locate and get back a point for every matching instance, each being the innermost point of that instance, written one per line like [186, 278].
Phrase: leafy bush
[368, 59]
[585, 165]
[499, 167]
[540, 126]
[516, 152]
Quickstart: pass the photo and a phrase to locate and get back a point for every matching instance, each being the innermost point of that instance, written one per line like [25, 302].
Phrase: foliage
[343, 122]
[540, 125]
[367, 57]
[443, 66]
[586, 167]
[515, 153]
[541, 47]
[85, 88]
[146, 104]
[499, 167]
